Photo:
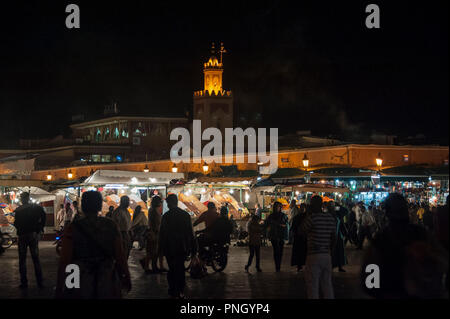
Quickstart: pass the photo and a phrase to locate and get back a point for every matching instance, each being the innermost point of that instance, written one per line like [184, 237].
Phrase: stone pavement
[233, 282]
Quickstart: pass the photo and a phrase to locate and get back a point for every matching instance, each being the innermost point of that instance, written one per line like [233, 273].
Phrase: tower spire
[222, 51]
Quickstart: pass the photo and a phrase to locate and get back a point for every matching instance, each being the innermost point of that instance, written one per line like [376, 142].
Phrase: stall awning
[221, 181]
[103, 177]
[37, 193]
[317, 188]
[20, 182]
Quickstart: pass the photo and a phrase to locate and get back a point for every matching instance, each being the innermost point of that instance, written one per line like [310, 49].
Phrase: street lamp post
[379, 161]
[205, 168]
[305, 167]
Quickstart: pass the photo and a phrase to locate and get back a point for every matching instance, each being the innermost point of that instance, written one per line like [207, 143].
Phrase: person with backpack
[94, 244]
[277, 228]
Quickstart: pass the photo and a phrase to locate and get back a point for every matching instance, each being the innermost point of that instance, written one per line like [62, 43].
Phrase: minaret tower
[213, 105]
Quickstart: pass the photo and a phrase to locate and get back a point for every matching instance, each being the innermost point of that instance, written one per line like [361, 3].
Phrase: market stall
[140, 187]
[10, 200]
[233, 193]
[265, 196]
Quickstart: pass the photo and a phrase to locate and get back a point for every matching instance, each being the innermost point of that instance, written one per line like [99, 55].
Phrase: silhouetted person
[77, 214]
[222, 228]
[411, 262]
[299, 247]
[339, 259]
[60, 217]
[153, 248]
[176, 240]
[277, 226]
[29, 222]
[110, 212]
[121, 216]
[68, 215]
[209, 218]
[367, 222]
[138, 226]
[94, 244]
[320, 229]
[254, 229]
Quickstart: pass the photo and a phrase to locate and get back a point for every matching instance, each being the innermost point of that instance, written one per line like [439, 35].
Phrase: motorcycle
[58, 241]
[214, 255]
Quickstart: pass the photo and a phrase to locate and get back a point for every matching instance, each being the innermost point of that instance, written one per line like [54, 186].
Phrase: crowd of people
[408, 242]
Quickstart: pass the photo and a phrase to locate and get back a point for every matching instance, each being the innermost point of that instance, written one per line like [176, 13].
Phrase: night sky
[303, 65]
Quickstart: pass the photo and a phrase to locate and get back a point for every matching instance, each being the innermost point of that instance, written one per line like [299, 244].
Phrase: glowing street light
[379, 161]
[305, 162]
[305, 166]
[205, 167]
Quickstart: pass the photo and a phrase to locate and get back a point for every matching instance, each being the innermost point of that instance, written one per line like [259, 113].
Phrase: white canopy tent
[104, 177]
[37, 194]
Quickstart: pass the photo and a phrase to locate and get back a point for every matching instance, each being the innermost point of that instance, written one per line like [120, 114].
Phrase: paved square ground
[233, 282]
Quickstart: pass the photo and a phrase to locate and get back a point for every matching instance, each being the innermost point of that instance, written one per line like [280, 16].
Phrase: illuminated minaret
[213, 105]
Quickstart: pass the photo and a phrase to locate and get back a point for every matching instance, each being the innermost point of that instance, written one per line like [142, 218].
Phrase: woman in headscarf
[277, 226]
[338, 258]
[299, 240]
[138, 226]
[153, 249]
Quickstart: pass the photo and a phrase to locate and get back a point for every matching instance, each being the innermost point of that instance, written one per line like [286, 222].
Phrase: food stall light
[49, 176]
[146, 170]
[69, 174]
[247, 197]
[258, 178]
[297, 192]
[153, 180]
[203, 190]
[174, 168]
[231, 191]
[134, 180]
[205, 168]
[218, 192]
